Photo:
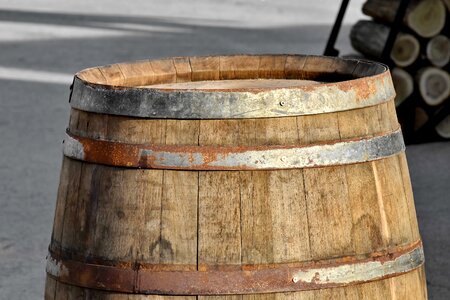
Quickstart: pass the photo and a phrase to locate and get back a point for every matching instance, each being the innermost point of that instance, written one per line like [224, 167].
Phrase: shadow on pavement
[129, 38]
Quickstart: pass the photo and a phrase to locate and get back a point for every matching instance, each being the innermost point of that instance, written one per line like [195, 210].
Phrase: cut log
[405, 51]
[369, 38]
[447, 3]
[438, 50]
[443, 128]
[426, 18]
[434, 85]
[384, 10]
[403, 83]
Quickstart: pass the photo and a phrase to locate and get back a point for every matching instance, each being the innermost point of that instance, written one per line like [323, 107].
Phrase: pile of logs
[419, 59]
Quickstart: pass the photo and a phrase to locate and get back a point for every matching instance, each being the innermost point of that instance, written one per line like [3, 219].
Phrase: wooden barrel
[235, 177]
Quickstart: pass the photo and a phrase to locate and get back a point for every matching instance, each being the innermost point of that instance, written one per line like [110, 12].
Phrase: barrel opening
[155, 73]
[232, 87]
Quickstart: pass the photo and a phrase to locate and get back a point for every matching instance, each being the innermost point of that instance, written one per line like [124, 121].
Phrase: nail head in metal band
[249, 279]
[373, 88]
[232, 157]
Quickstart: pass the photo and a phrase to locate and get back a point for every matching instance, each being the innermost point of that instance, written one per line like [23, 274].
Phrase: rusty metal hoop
[220, 280]
[233, 157]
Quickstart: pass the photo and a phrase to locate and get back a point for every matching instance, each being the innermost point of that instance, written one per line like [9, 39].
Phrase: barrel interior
[191, 69]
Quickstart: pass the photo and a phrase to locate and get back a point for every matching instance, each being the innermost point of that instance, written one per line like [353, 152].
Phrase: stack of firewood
[419, 59]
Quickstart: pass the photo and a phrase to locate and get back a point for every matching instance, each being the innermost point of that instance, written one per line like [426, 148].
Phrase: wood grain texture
[403, 83]
[433, 84]
[427, 19]
[126, 215]
[235, 84]
[438, 50]
[113, 75]
[203, 220]
[182, 69]
[219, 233]
[272, 67]
[273, 231]
[136, 73]
[227, 67]
[205, 68]
[163, 71]
[271, 216]
[239, 67]
[369, 38]
[406, 50]
[424, 17]
[93, 75]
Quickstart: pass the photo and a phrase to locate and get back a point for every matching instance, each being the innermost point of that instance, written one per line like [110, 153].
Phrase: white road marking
[27, 31]
[35, 75]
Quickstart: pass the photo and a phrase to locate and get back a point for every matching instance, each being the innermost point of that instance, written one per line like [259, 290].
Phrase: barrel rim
[381, 68]
[374, 86]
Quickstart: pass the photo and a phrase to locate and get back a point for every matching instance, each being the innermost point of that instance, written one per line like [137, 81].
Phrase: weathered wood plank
[205, 68]
[239, 67]
[219, 228]
[182, 69]
[179, 199]
[272, 66]
[94, 75]
[164, 71]
[113, 75]
[137, 73]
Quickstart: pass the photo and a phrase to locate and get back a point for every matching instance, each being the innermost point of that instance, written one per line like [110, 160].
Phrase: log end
[434, 85]
[428, 18]
[438, 50]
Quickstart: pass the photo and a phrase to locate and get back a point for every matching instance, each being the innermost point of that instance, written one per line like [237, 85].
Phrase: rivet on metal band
[233, 157]
[200, 104]
[234, 279]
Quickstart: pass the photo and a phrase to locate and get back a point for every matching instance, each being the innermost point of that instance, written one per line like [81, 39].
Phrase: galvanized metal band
[233, 157]
[195, 104]
[221, 280]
